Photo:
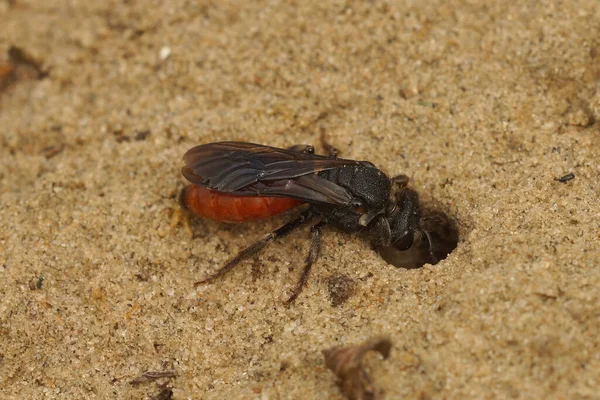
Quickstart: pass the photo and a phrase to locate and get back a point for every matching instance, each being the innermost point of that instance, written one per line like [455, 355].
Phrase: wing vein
[248, 169]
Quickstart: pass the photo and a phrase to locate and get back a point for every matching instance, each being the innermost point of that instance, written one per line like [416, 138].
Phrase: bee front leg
[381, 233]
[258, 246]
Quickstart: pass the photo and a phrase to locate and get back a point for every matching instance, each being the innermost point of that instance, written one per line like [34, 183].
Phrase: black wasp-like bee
[238, 181]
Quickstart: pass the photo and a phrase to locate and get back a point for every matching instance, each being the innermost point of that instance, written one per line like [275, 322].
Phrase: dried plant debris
[566, 178]
[346, 364]
[19, 65]
[21, 58]
[340, 288]
[164, 394]
[142, 135]
[165, 390]
[151, 376]
[53, 150]
[36, 283]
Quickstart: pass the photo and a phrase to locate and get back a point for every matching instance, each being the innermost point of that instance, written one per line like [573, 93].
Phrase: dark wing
[248, 169]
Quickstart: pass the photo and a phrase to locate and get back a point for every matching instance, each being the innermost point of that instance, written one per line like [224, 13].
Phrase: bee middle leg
[181, 214]
[303, 148]
[331, 150]
[313, 253]
[258, 246]
[400, 180]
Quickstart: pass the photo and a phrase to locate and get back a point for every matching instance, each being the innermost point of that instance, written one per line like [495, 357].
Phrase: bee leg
[433, 259]
[303, 148]
[401, 181]
[381, 233]
[333, 151]
[313, 253]
[182, 215]
[258, 246]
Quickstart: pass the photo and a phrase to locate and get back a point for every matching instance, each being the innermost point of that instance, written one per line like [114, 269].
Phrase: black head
[434, 234]
[371, 188]
[405, 222]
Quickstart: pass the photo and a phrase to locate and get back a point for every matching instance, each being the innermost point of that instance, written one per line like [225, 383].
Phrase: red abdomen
[229, 208]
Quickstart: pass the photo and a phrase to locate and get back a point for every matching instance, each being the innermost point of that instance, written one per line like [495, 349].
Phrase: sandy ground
[482, 104]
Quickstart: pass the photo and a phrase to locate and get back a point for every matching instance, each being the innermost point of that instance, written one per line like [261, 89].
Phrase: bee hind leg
[258, 246]
[182, 215]
[313, 254]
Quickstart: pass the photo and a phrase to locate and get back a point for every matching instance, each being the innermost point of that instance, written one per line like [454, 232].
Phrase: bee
[239, 181]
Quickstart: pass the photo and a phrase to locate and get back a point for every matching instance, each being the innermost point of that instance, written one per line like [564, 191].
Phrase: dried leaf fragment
[346, 364]
[151, 376]
[20, 57]
[164, 394]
